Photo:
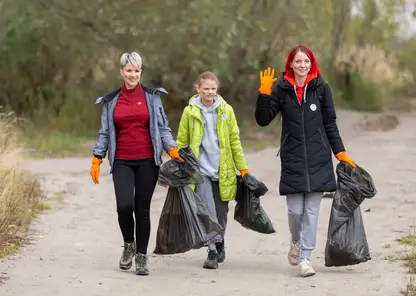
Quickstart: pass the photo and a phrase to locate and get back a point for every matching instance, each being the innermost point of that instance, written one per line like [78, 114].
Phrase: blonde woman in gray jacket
[135, 132]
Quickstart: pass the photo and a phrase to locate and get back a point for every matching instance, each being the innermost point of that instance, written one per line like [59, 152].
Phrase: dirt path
[77, 245]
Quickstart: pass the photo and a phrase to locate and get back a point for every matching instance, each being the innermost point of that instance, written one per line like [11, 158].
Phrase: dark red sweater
[131, 117]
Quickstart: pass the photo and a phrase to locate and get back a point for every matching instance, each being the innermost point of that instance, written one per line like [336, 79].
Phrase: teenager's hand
[244, 172]
[174, 153]
[266, 81]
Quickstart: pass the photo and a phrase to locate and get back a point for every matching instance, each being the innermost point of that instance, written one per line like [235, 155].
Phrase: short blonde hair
[132, 58]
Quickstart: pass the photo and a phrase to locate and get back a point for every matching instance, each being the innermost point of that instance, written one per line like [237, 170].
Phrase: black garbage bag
[184, 223]
[178, 174]
[347, 241]
[248, 211]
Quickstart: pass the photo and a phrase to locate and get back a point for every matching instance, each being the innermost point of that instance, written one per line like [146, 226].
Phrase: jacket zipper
[281, 146]
[322, 138]
[304, 141]
[226, 160]
[296, 96]
[219, 142]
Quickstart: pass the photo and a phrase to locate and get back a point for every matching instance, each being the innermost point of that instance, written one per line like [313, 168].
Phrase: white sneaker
[306, 269]
[294, 253]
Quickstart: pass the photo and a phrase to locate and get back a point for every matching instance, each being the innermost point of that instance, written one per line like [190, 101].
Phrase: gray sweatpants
[209, 191]
[303, 210]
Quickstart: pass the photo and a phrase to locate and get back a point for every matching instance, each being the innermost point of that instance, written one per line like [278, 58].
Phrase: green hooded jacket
[191, 132]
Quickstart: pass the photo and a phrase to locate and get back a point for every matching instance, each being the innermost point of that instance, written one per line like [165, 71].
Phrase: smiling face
[301, 64]
[131, 75]
[207, 89]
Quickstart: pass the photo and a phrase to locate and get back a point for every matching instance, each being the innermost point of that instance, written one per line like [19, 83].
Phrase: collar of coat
[148, 89]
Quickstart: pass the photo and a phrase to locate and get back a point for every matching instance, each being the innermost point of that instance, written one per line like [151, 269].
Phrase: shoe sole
[142, 273]
[210, 267]
[308, 274]
[126, 267]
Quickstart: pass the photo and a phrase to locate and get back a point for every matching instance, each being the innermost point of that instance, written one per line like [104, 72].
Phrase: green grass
[42, 206]
[409, 240]
[410, 262]
[57, 144]
[57, 196]
[11, 247]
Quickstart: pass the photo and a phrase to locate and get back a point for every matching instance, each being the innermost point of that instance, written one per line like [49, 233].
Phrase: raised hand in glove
[95, 169]
[344, 157]
[174, 154]
[244, 172]
[266, 81]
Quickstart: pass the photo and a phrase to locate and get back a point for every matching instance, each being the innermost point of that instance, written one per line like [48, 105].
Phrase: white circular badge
[313, 107]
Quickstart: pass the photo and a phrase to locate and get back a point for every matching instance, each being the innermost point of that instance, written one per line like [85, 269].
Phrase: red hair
[306, 50]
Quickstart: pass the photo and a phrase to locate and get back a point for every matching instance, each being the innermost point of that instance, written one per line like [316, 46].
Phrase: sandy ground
[76, 246]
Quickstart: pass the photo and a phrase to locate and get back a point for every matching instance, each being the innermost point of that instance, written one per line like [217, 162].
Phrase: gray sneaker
[141, 264]
[294, 253]
[212, 260]
[221, 251]
[126, 260]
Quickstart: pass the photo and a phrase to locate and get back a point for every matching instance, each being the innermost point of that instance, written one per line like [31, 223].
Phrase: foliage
[59, 56]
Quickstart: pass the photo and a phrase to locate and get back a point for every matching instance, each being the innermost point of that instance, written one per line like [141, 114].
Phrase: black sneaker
[141, 264]
[212, 260]
[221, 251]
[126, 260]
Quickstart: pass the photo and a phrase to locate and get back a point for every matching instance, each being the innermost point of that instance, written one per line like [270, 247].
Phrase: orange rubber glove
[343, 156]
[174, 153]
[95, 169]
[244, 172]
[266, 81]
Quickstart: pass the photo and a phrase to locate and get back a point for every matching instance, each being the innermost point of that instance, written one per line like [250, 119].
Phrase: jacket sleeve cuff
[263, 101]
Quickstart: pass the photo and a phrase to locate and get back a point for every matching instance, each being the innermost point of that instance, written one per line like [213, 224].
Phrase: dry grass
[410, 261]
[375, 66]
[19, 191]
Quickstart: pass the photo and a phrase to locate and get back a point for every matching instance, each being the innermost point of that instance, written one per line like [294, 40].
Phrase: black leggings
[134, 184]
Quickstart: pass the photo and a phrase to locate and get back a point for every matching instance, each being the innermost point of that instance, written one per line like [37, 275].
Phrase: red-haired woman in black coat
[309, 135]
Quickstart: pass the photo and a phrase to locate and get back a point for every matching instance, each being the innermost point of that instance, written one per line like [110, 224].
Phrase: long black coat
[309, 133]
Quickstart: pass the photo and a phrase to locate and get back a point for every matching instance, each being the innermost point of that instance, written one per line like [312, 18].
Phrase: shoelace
[141, 260]
[127, 252]
[297, 247]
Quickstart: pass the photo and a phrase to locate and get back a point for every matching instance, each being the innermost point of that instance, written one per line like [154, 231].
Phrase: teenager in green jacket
[208, 125]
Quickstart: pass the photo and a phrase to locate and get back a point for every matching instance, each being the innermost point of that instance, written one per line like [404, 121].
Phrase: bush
[19, 191]
[362, 95]
[367, 77]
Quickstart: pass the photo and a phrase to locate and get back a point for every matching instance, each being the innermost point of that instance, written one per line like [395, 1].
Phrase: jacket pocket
[281, 145]
[322, 138]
